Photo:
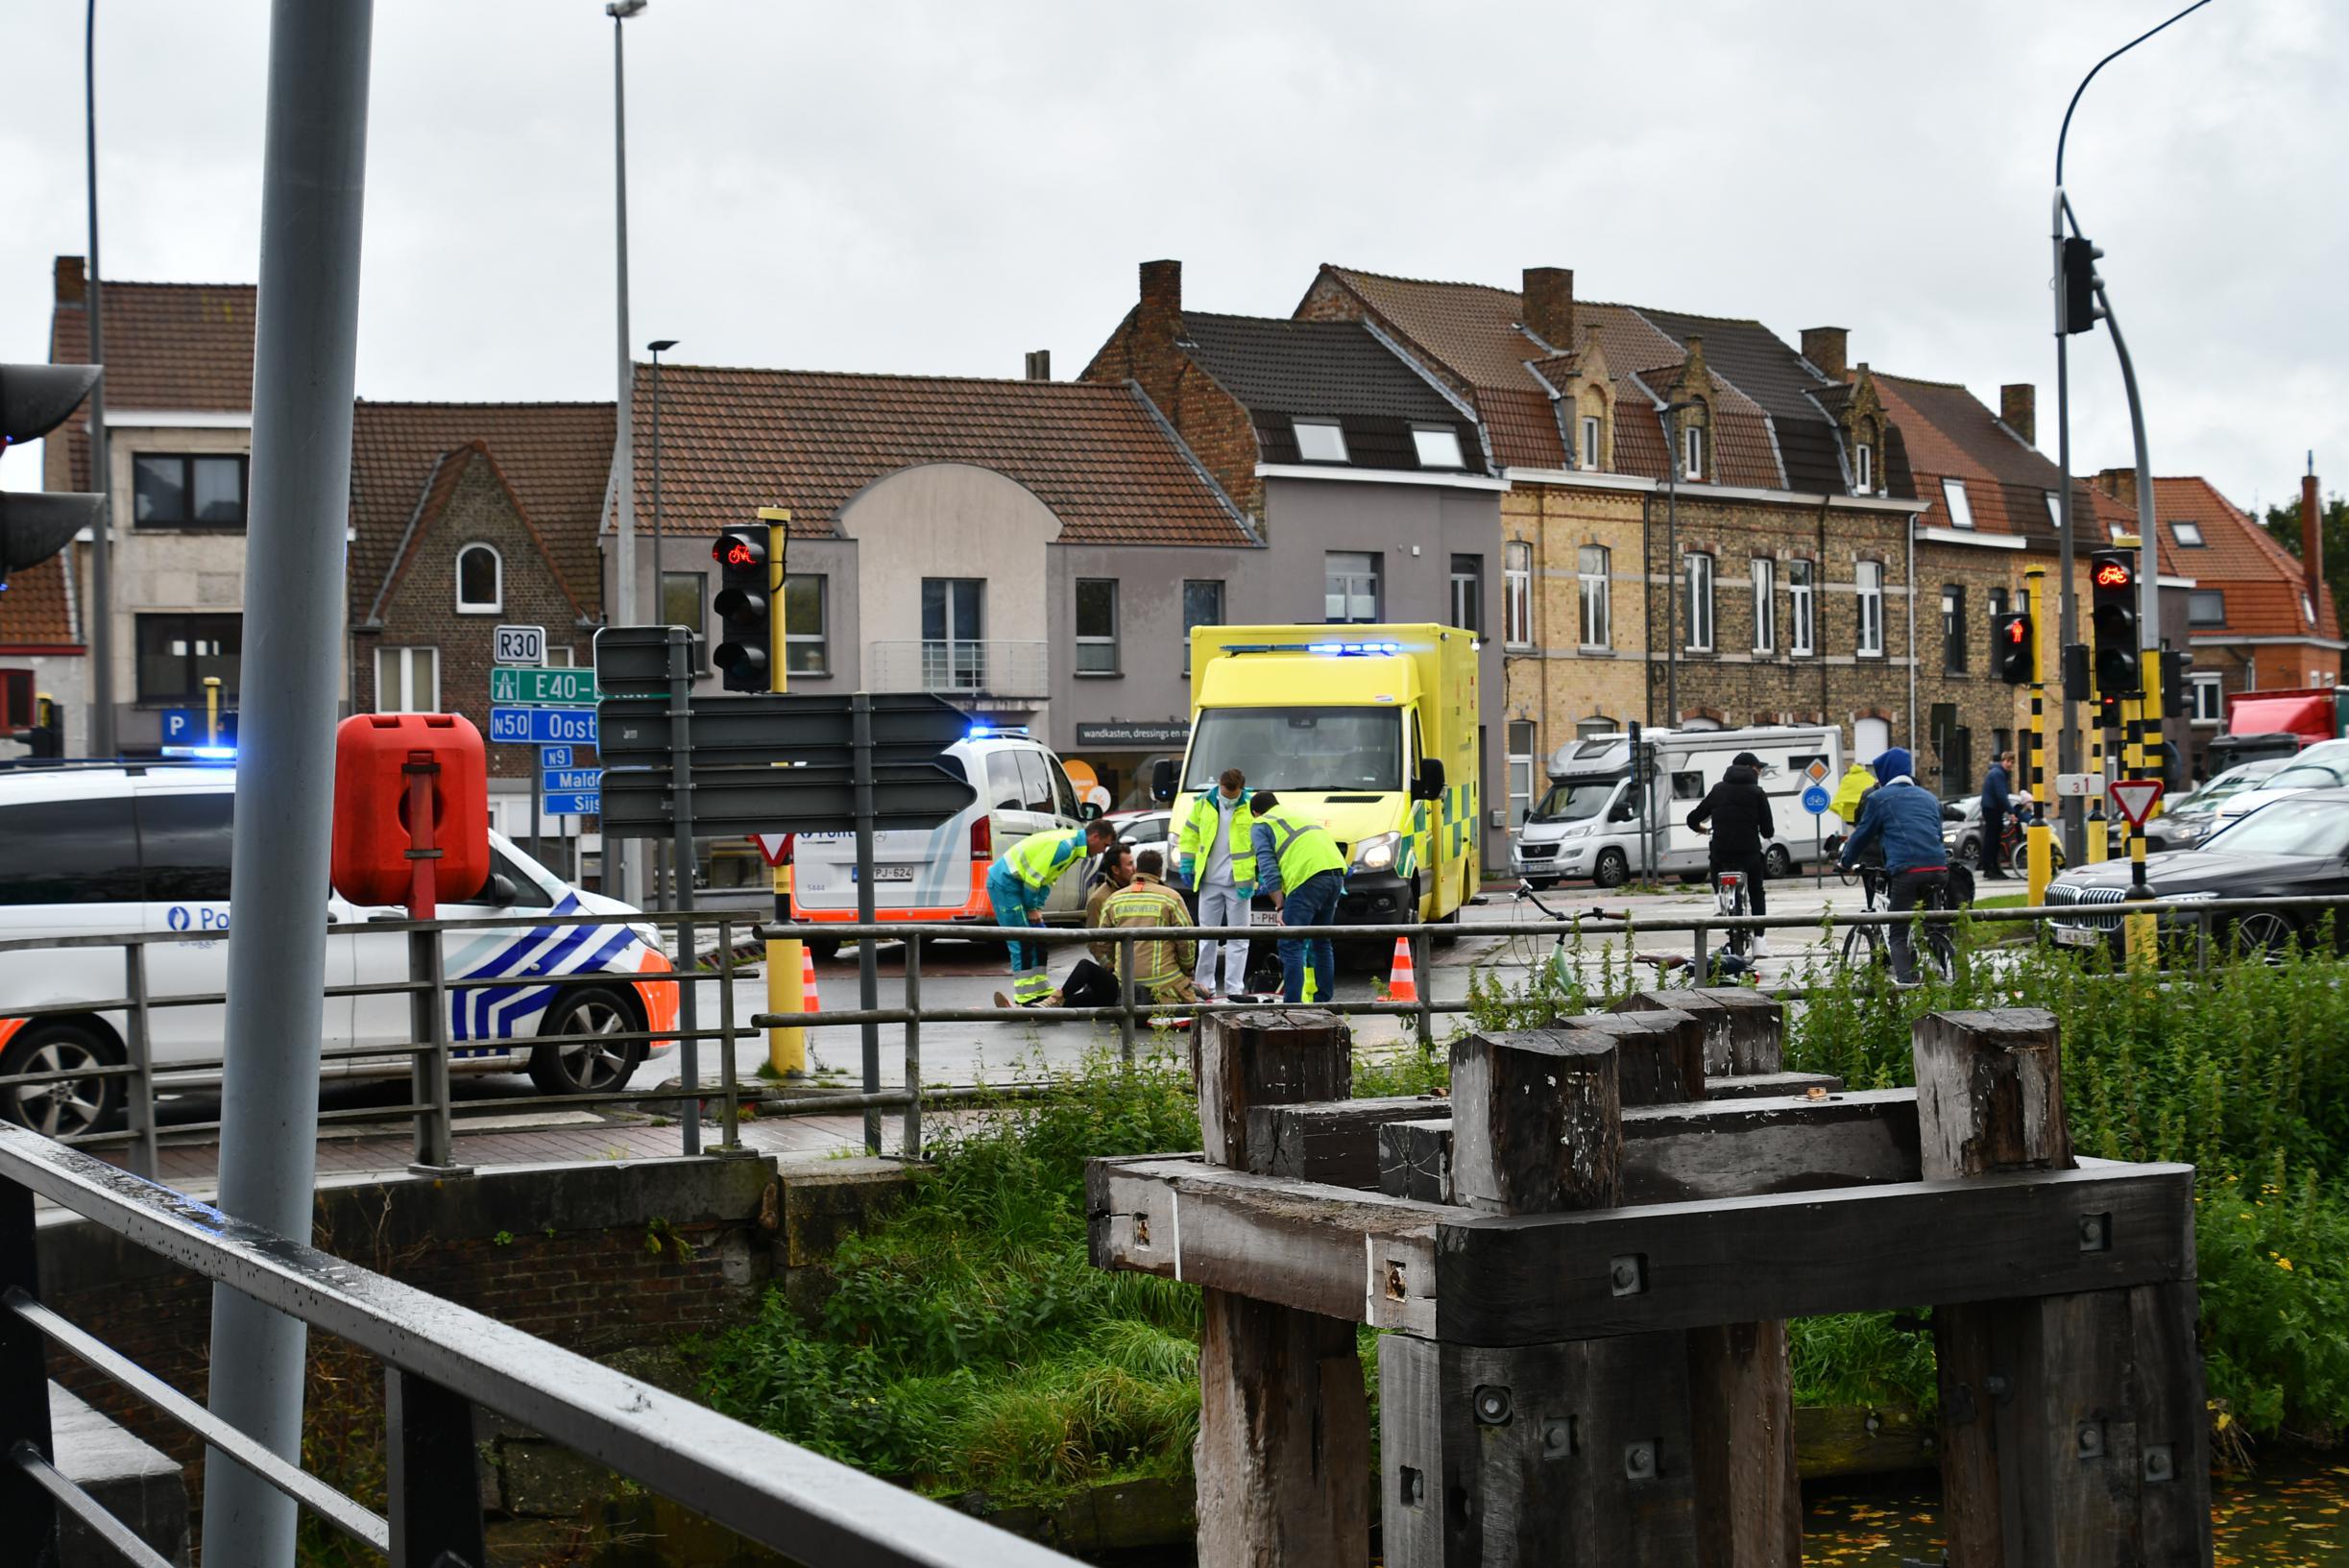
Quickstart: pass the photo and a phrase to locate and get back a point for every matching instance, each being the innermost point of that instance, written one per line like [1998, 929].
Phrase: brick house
[42, 655]
[1741, 510]
[464, 516]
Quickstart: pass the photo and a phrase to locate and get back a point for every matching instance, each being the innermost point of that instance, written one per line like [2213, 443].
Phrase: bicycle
[1559, 964]
[1939, 944]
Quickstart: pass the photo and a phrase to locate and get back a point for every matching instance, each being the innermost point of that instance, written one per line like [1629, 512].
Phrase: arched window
[481, 581]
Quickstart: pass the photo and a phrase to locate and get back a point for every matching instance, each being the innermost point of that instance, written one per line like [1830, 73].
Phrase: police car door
[1069, 892]
[482, 1020]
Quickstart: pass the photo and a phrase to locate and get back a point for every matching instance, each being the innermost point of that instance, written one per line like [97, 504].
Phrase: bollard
[731, 1115]
[913, 1047]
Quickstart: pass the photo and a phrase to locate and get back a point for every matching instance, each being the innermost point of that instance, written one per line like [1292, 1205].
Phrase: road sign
[183, 726]
[574, 803]
[768, 728]
[2133, 798]
[773, 846]
[556, 757]
[518, 645]
[737, 802]
[543, 688]
[2083, 785]
[573, 777]
[537, 726]
[1816, 773]
[1814, 799]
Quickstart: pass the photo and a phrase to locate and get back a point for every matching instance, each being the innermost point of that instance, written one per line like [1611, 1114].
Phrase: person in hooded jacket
[1739, 814]
[1905, 818]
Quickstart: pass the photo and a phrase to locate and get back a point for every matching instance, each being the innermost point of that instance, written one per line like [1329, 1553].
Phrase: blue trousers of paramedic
[1314, 902]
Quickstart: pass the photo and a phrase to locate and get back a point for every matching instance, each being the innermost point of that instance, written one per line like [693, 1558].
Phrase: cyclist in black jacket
[1739, 813]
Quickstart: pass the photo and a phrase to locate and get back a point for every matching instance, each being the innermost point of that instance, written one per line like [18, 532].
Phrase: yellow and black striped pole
[2098, 840]
[2039, 846]
[786, 1047]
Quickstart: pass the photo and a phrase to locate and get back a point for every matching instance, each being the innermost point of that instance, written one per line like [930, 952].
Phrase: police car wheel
[70, 1108]
[585, 1069]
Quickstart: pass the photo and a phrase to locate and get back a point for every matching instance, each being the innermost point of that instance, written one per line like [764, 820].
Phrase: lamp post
[622, 857]
[660, 577]
[1672, 557]
[100, 615]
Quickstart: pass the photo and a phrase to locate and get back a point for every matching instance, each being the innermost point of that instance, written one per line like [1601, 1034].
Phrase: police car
[104, 850]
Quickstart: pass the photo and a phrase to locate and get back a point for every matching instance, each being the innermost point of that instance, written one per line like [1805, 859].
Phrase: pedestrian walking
[1215, 855]
[1998, 795]
[1162, 964]
[1302, 866]
[1906, 820]
[1020, 883]
[1736, 814]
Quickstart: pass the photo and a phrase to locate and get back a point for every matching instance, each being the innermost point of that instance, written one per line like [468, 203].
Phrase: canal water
[2291, 1513]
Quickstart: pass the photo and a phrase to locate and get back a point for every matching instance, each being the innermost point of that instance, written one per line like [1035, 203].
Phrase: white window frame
[1803, 607]
[1765, 604]
[1692, 451]
[2209, 698]
[1590, 440]
[1517, 593]
[2187, 533]
[496, 602]
[1467, 589]
[1961, 509]
[403, 664]
[1335, 433]
[1868, 590]
[1595, 597]
[1524, 777]
[1445, 442]
[1371, 574]
[1697, 587]
[1864, 463]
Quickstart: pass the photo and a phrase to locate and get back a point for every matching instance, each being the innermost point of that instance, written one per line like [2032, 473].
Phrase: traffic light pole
[2039, 848]
[786, 1047]
[2067, 613]
[99, 615]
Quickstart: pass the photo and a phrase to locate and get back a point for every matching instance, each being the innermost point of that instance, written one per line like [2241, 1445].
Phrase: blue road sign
[576, 804]
[1815, 799]
[183, 726]
[538, 726]
[575, 778]
[555, 757]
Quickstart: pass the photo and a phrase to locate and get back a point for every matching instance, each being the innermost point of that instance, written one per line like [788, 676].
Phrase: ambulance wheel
[68, 1107]
[588, 1068]
[825, 949]
[1777, 861]
[1612, 869]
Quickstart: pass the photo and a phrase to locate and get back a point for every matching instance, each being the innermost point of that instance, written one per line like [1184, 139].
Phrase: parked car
[93, 850]
[1148, 829]
[2296, 845]
[1963, 834]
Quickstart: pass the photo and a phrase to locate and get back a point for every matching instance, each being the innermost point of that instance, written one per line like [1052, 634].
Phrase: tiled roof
[1752, 358]
[736, 440]
[1472, 331]
[2262, 581]
[555, 459]
[1282, 370]
[175, 348]
[34, 612]
[1949, 433]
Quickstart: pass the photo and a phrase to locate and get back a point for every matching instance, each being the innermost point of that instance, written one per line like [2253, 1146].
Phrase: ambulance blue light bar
[1338, 649]
[993, 732]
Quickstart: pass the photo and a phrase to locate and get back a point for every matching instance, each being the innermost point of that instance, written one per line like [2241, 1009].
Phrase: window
[69, 852]
[2189, 535]
[1468, 593]
[2210, 704]
[176, 652]
[1863, 468]
[481, 581]
[1097, 626]
[1953, 628]
[1961, 510]
[1437, 449]
[1870, 583]
[1349, 586]
[1319, 440]
[1590, 440]
[1521, 770]
[1801, 609]
[1517, 593]
[2205, 607]
[527, 893]
[407, 680]
[1597, 724]
[187, 492]
[1003, 782]
[16, 701]
[1202, 605]
[1597, 585]
[2308, 611]
[1698, 568]
[1765, 604]
[2055, 511]
[1036, 781]
[683, 595]
[1692, 453]
[806, 646]
[183, 843]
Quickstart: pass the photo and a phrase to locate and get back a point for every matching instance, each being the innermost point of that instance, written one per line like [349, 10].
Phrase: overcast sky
[938, 187]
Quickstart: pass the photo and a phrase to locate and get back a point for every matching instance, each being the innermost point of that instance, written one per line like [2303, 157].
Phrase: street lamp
[618, 857]
[660, 578]
[1672, 557]
[100, 618]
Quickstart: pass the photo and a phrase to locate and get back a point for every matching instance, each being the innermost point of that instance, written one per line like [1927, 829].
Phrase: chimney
[2019, 409]
[72, 285]
[2311, 531]
[1549, 305]
[1039, 364]
[2120, 484]
[1825, 348]
[1160, 318]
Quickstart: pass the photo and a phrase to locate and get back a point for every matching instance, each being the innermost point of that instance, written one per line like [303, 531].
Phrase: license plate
[2078, 936]
[1264, 917]
[886, 873]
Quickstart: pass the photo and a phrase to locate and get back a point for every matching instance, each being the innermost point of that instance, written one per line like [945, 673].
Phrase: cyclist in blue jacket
[1905, 818]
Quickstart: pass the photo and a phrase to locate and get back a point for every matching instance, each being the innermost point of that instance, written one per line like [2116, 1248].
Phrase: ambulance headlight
[1377, 852]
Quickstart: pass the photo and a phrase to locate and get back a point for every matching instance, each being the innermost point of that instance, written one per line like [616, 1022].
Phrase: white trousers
[1220, 903]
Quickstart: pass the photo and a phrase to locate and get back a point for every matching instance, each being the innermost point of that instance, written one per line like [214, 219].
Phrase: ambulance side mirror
[1162, 779]
[1429, 786]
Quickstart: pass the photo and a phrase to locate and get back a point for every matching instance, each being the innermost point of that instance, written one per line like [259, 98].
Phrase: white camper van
[1591, 823]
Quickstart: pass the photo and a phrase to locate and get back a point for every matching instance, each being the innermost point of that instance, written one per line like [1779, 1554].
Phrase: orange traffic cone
[1403, 984]
[809, 1000]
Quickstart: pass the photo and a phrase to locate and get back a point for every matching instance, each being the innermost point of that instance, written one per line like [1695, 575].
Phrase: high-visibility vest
[1039, 858]
[1199, 830]
[1302, 849]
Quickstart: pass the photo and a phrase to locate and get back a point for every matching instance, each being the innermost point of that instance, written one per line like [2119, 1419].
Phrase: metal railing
[439, 1360]
[964, 666]
[435, 1113]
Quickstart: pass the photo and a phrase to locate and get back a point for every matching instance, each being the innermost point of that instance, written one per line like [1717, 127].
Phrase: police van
[105, 849]
[940, 873]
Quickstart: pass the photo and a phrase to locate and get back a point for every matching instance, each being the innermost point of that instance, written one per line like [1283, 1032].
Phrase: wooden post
[2073, 1426]
[1744, 1029]
[1537, 1122]
[1659, 1055]
[1283, 1458]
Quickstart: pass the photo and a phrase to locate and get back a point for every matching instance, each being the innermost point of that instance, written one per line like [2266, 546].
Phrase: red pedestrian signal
[2012, 647]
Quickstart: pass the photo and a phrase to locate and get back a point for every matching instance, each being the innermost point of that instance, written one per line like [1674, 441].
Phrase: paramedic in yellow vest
[1020, 883]
[1302, 866]
[1215, 854]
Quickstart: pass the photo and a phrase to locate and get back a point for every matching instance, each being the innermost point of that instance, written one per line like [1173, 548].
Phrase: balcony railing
[959, 666]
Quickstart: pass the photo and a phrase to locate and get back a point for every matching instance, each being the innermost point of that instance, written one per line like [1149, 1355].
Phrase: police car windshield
[1299, 748]
[1575, 802]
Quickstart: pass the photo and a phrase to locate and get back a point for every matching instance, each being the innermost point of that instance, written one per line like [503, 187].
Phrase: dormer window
[1863, 467]
[2308, 611]
[1692, 453]
[1321, 440]
[1590, 440]
[2189, 535]
[1437, 449]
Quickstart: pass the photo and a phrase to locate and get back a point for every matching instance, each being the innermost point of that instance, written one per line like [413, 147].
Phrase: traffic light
[2010, 646]
[745, 609]
[35, 399]
[2080, 283]
[2112, 580]
[2176, 663]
